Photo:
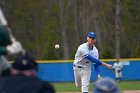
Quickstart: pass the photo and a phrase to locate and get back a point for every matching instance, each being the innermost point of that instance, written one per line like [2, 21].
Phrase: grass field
[70, 86]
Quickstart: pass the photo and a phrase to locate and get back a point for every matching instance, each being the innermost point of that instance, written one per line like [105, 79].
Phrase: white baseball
[57, 46]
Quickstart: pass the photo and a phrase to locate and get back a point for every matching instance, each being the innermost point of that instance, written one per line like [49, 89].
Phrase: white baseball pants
[82, 78]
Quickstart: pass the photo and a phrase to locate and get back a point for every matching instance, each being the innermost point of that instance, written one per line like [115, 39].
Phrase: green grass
[70, 86]
[129, 85]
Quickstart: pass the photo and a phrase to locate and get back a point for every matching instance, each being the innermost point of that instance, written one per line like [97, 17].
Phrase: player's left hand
[109, 66]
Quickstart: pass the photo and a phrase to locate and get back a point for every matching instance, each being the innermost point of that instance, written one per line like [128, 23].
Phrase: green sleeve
[4, 36]
[3, 50]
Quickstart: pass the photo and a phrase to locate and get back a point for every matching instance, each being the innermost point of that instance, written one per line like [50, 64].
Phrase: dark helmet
[25, 62]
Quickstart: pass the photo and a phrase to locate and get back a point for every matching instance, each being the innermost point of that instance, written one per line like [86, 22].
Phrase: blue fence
[63, 72]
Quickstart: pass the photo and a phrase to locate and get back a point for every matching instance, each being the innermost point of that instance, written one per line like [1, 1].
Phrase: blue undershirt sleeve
[97, 70]
[92, 59]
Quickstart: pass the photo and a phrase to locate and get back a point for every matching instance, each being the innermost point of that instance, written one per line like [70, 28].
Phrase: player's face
[91, 40]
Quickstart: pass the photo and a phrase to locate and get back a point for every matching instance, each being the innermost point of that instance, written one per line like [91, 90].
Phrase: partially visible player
[87, 54]
[117, 66]
[8, 45]
[106, 85]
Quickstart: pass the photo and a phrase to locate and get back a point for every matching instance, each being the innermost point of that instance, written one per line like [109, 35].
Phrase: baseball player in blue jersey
[87, 54]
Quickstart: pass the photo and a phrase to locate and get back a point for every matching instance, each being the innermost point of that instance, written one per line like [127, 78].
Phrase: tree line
[40, 24]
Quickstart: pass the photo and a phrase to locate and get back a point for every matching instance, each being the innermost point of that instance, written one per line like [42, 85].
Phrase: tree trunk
[63, 30]
[96, 23]
[117, 30]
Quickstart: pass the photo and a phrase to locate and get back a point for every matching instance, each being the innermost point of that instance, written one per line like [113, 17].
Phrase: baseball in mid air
[57, 46]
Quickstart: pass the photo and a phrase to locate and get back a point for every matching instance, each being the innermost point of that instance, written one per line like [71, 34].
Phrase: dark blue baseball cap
[91, 35]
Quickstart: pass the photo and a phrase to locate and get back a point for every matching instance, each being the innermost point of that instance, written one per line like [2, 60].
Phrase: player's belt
[78, 66]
